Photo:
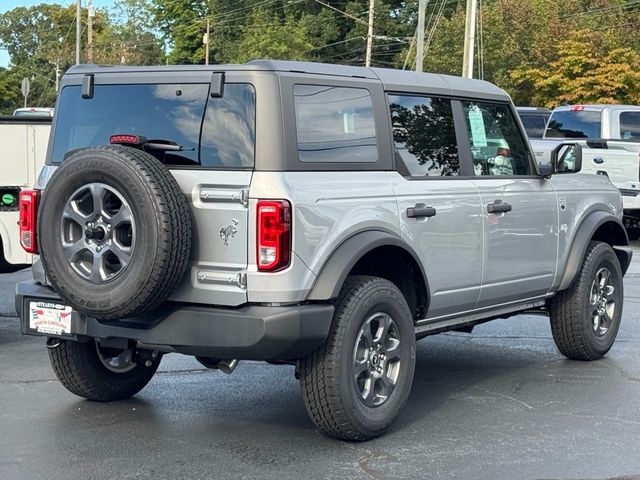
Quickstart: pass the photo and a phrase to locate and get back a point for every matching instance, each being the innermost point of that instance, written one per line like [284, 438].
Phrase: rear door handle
[420, 210]
[498, 207]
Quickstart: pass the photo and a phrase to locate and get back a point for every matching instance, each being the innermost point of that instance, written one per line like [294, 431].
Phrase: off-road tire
[162, 236]
[80, 370]
[326, 381]
[570, 314]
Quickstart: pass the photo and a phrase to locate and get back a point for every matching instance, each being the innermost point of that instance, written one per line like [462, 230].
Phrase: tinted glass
[574, 124]
[497, 146]
[229, 128]
[534, 124]
[424, 135]
[630, 125]
[169, 113]
[334, 124]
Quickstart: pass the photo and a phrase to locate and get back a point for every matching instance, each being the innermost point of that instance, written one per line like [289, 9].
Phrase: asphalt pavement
[500, 403]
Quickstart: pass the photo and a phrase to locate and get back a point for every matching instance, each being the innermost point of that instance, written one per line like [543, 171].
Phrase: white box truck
[24, 142]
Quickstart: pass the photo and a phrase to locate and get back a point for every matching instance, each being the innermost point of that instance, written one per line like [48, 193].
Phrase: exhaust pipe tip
[228, 366]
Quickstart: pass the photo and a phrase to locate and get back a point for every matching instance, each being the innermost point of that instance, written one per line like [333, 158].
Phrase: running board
[432, 326]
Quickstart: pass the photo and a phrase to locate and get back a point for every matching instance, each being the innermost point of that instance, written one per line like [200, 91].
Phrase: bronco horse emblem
[229, 231]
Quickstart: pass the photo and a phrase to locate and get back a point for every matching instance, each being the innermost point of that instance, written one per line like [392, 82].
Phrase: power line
[356, 19]
[600, 10]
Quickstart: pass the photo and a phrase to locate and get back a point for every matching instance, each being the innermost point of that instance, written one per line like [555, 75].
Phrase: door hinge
[225, 195]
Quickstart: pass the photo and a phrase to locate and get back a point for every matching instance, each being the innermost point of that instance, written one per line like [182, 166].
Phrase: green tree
[129, 38]
[266, 36]
[10, 95]
[183, 23]
[584, 73]
[38, 38]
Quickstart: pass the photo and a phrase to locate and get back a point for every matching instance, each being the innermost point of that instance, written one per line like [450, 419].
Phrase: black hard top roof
[392, 79]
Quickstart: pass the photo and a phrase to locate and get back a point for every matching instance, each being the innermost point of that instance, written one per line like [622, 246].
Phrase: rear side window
[497, 146]
[534, 124]
[630, 125]
[574, 124]
[334, 124]
[216, 132]
[424, 135]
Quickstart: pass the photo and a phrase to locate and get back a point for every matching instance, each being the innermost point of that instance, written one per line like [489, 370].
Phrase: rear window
[212, 132]
[574, 124]
[630, 125]
[334, 124]
[534, 124]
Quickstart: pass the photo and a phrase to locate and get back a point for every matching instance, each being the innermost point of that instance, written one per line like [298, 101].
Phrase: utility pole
[469, 38]
[422, 8]
[78, 29]
[90, 14]
[370, 34]
[57, 65]
[205, 40]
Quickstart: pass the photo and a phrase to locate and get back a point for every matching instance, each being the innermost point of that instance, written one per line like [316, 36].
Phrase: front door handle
[498, 207]
[420, 210]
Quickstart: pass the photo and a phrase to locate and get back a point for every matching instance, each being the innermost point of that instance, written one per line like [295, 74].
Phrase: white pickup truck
[24, 142]
[610, 135]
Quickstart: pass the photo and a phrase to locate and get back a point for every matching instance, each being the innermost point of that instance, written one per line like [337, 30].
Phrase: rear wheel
[355, 384]
[585, 318]
[100, 374]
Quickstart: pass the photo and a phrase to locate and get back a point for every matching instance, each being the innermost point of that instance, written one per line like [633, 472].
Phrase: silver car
[317, 215]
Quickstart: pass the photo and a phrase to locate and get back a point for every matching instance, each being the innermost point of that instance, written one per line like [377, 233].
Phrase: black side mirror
[546, 170]
[566, 158]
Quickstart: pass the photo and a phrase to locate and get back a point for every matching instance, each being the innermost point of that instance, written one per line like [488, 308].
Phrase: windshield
[574, 124]
[212, 132]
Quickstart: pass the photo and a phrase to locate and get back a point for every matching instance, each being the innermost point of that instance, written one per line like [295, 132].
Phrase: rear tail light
[274, 235]
[28, 211]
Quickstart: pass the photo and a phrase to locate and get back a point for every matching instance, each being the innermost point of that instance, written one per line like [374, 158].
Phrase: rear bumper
[252, 332]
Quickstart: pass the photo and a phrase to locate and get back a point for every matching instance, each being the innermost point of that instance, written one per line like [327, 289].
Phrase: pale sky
[6, 5]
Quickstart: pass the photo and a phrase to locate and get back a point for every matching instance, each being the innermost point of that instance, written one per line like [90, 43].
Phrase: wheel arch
[601, 226]
[380, 254]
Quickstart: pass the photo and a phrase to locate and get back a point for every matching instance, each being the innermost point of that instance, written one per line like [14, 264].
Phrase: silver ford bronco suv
[316, 215]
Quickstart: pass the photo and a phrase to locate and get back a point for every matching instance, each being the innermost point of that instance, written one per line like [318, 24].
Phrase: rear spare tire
[115, 232]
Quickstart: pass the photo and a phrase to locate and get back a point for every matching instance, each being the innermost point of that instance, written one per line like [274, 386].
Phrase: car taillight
[274, 235]
[28, 211]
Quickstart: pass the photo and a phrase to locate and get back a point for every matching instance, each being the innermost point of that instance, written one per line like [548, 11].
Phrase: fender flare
[583, 236]
[337, 267]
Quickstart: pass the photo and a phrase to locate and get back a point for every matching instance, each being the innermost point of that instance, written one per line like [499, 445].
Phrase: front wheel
[96, 373]
[355, 384]
[585, 318]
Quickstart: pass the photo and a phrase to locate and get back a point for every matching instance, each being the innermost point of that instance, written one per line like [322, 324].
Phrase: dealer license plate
[50, 318]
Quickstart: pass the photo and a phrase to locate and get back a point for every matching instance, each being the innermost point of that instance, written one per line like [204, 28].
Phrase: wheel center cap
[375, 359]
[602, 305]
[97, 233]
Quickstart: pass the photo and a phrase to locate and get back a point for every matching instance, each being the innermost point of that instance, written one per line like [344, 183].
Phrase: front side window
[630, 125]
[497, 146]
[424, 135]
[334, 124]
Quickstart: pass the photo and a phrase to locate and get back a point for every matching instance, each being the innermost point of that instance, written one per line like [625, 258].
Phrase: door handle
[420, 210]
[498, 207]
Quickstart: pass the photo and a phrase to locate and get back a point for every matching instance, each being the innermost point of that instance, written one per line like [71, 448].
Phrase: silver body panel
[450, 243]
[478, 265]
[519, 258]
